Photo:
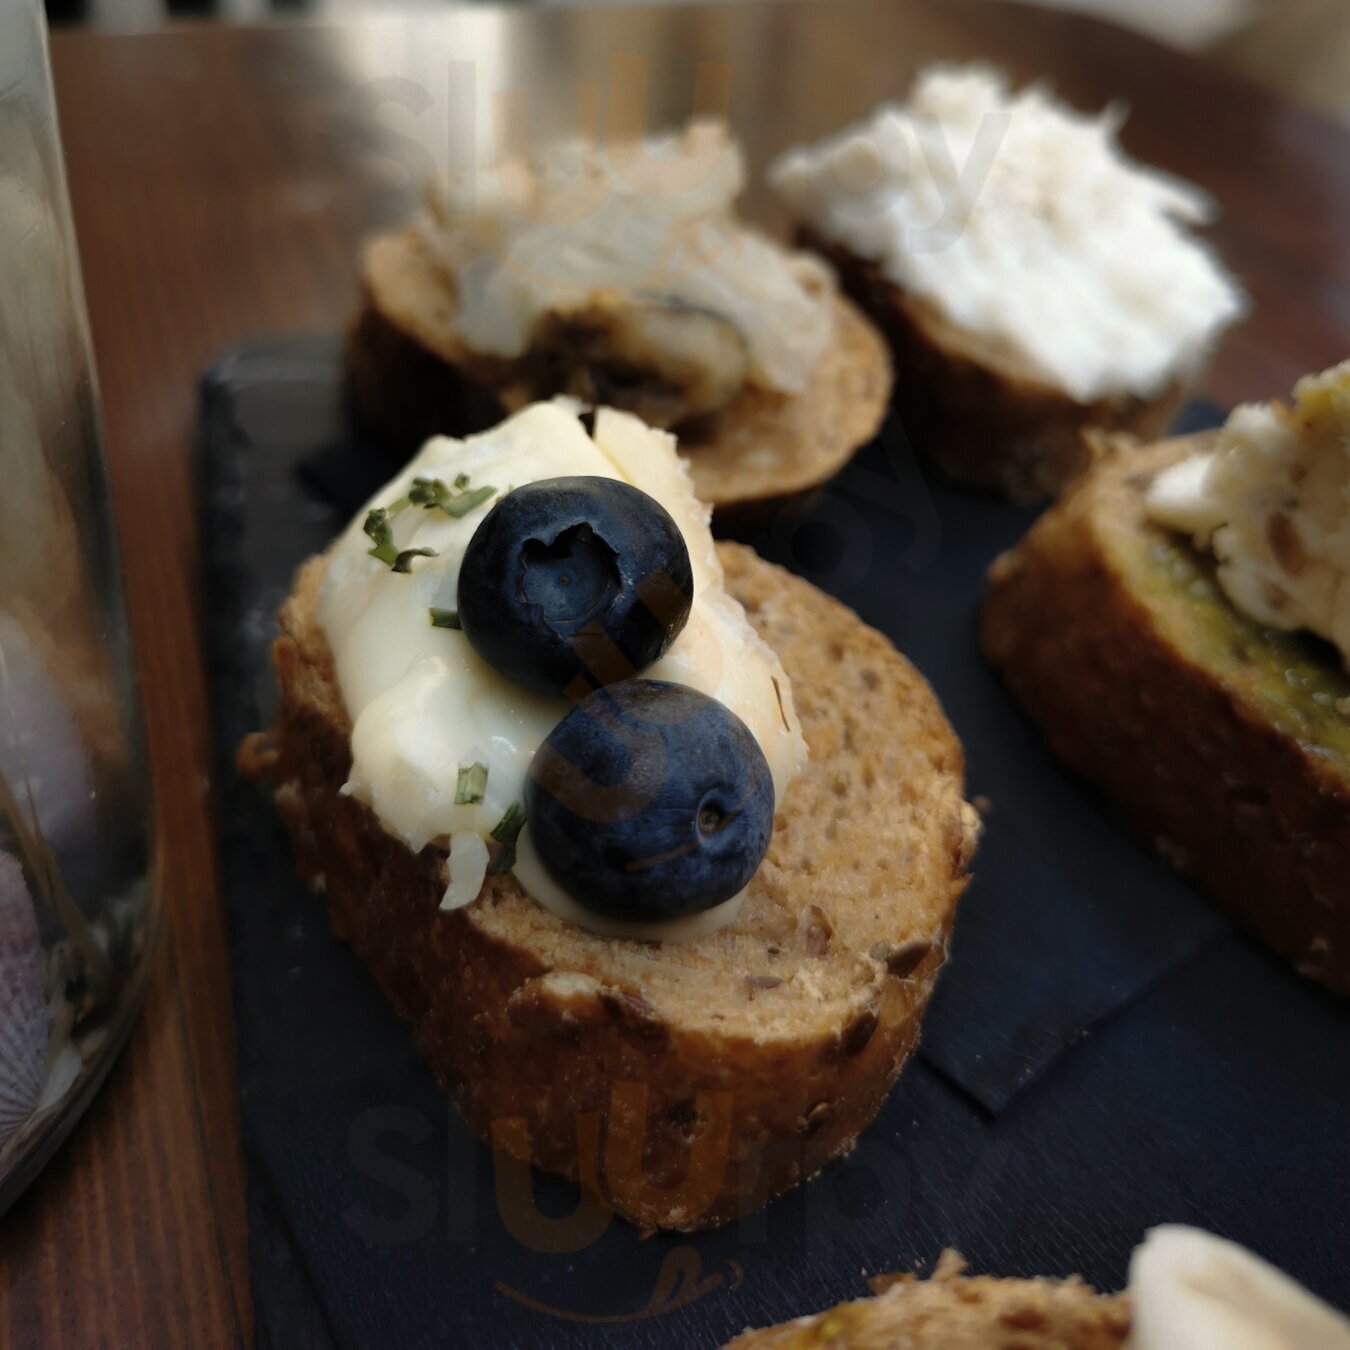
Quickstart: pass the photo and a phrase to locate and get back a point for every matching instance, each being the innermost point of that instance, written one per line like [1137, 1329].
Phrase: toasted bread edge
[410, 377]
[954, 1311]
[1259, 820]
[576, 1072]
[971, 410]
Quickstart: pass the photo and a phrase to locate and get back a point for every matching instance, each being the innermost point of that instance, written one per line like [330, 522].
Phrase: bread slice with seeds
[1225, 744]
[954, 1311]
[686, 1083]
[412, 376]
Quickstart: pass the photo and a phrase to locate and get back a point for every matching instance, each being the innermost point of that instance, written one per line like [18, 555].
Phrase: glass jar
[78, 907]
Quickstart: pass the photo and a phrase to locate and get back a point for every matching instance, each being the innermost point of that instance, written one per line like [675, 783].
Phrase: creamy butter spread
[651, 220]
[423, 704]
[1022, 221]
[1273, 503]
[1190, 1290]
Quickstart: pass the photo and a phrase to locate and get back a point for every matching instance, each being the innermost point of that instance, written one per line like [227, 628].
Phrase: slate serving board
[1103, 1052]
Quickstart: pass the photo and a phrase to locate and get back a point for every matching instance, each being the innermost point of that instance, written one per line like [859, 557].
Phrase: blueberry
[574, 579]
[650, 800]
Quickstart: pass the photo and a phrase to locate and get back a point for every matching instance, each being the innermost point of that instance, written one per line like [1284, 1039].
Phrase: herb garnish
[506, 832]
[382, 536]
[430, 494]
[444, 618]
[403, 561]
[471, 784]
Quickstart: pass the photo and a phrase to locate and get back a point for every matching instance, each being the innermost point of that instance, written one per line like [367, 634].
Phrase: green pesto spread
[1294, 680]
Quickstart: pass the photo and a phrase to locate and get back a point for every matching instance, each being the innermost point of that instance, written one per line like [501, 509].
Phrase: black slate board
[1103, 1053]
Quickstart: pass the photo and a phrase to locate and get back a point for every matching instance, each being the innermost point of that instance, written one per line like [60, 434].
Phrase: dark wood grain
[221, 182]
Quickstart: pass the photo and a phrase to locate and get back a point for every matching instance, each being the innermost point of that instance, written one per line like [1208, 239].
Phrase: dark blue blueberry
[573, 583]
[650, 800]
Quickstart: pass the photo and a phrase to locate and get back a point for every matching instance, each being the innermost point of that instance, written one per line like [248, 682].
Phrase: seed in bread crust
[901, 959]
[763, 981]
[855, 1036]
[814, 1118]
[819, 933]
[633, 1013]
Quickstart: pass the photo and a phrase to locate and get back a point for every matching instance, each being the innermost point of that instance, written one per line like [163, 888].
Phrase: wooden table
[221, 181]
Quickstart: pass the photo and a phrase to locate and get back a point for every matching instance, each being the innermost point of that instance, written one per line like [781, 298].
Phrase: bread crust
[1134, 691]
[977, 411]
[953, 1311]
[685, 1084]
[410, 377]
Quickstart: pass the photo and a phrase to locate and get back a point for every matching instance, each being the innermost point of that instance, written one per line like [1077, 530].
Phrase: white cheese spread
[648, 220]
[1272, 500]
[424, 704]
[1022, 221]
[1190, 1290]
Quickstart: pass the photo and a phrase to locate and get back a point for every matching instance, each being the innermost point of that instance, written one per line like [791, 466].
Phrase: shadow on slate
[1054, 879]
[1212, 1088]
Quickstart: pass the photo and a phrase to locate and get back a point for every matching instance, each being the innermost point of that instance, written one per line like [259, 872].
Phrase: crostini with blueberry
[657, 847]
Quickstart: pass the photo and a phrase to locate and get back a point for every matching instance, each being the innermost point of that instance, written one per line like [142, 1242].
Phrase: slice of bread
[953, 1311]
[411, 377]
[1220, 741]
[974, 408]
[687, 1083]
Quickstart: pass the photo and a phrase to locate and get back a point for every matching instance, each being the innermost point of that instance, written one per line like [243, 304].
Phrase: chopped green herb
[381, 534]
[506, 831]
[444, 618]
[466, 501]
[432, 493]
[377, 528]
[403, 562]
[427, 492]
[471, 784]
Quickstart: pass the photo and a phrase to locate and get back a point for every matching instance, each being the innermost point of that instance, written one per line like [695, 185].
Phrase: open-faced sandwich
[656, 846]
[1179, 626]
[1031, 280]
[1188, 1290]
[620, 276]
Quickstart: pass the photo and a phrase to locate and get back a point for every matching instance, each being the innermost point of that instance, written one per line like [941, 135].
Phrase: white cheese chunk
[1023, 222]
[1273, 503]
[647, 219]
[1190, 1290]
[1181, 499]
